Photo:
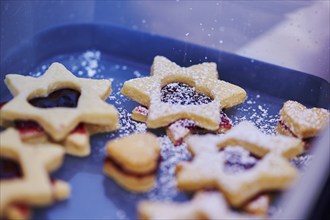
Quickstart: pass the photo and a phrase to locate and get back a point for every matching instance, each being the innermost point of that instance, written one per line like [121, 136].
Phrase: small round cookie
[132, 161]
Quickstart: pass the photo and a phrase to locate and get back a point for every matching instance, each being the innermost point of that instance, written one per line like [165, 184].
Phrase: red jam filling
[60, 98]
[141, 110]
[9, 169]
[121, 169]
[24, 209]
[307, 141]
[2, 104]
[183, 94]
[80, 129]
[238, 160]
[178, 126]
[225, 122]
[27, 126]
[285, 127]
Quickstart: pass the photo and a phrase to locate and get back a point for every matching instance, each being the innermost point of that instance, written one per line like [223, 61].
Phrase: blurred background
[293, 34]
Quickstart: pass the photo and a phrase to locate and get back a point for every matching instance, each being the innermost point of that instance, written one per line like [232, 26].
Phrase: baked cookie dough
[24, 176]
[132, 161]
[206, 94]
[298, 121]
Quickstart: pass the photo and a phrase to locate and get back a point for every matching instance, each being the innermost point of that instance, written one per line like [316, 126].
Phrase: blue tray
[102, 51]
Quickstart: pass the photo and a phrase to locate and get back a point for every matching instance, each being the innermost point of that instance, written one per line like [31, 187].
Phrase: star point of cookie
[203, 77]
[33, 187]
[204, 205]
[246, 135]
[58, 122]
[207, 170]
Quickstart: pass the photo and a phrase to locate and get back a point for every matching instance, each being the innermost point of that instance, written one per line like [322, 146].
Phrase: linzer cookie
[246, 135]
[205, 205]
[202, 100]
[298, 121]
[70, 108]
[24, 176]
[251, 163]
[132, 161]
[272, 172]
[182, 128]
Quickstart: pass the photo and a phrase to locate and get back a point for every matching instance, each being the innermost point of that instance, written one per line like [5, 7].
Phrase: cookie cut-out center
[9, 169]
[183, 94]
[238, 160]
[67, 98]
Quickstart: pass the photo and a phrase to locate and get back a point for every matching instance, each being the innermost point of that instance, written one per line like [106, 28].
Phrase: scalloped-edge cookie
[298, 121]
[204, 205]
[24, 176]
[213, 94]
[132, 161]
[58, 122]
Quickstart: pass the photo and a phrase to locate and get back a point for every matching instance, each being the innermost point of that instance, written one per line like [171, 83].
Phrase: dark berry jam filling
[183, 94]
[31, 126]
[27, 126]
[285, 127]
[24, 209]
[238, 159]
[80, 129]
[60, 98]
[9, 169]
[2, 104]
[307, 141]
[120, 168]
[225, 122]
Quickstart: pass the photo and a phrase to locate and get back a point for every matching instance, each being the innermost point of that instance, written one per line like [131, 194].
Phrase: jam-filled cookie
[173, 93]
[241, 163]
[298, 121]
[24, 176]
[132, 161]
[204, 205]
[180, 129]
[59, 107]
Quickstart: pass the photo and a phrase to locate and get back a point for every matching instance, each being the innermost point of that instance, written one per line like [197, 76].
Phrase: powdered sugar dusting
[183, 94]
[121, 214]
[127, 125]
[166, 184]
[87, 64]
[302, 161]
[237, 159]
[260, 114]
[92, 63]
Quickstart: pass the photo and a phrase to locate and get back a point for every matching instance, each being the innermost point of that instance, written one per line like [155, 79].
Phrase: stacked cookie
[48, 116]
[233, 167]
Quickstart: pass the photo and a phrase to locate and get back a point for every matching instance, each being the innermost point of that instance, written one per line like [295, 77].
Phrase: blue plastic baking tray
[103, 51]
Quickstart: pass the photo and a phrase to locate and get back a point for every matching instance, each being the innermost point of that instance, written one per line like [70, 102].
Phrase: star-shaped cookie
[203, 77]
[36, 161]
[204, 205]
[59, 122]
[207, 170]
[246, 135]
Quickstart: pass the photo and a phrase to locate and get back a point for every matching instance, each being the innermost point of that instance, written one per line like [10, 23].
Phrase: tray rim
[319, 151]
